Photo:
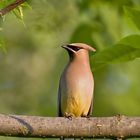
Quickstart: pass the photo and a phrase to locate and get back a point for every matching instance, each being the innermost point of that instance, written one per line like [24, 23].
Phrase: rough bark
[103, 127]
[10, 7]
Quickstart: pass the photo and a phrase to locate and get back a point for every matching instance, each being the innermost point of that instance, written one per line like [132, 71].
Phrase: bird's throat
[82, 60]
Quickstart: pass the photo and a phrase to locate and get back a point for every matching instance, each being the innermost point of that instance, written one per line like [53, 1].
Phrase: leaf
[18, 12]
[134, 14]
[125, 50]
[83, 32]
[26, 5]
[132, 40]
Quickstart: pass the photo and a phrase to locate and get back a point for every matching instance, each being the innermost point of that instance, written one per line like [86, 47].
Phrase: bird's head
[78, 49]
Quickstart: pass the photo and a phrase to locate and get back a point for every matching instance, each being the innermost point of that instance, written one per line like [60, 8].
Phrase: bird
[76, 84]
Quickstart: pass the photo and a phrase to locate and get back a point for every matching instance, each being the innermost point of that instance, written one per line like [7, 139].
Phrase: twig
[98, 127]
[10, 7]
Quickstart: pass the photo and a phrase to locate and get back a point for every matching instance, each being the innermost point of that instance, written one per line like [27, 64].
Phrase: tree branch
[10, 7]
[103, 127]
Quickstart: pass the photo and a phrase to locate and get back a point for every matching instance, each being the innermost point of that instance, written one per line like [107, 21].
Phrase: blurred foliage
[4, 3]
[134, 15]
[18, 10]
[125, 50]
[31, 68]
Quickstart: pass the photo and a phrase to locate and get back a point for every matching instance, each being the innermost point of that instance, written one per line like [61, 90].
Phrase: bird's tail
[62, 138]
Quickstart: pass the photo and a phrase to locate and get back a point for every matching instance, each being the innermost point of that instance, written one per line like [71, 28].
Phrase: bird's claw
[68, 115]
[86, 116]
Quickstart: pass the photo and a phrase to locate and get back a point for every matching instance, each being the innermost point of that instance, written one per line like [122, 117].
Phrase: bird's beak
[68, 48]
[91, 49]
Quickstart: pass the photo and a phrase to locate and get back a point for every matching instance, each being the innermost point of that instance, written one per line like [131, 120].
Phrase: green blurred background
[30, 70]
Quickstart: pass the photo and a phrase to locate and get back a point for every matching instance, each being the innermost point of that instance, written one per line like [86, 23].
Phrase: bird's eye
[75, 48]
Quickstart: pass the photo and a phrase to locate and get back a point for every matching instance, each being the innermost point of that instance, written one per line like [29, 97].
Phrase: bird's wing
[59, 102]
[90, 109]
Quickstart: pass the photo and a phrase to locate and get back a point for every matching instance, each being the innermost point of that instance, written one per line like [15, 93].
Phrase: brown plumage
[75, 95]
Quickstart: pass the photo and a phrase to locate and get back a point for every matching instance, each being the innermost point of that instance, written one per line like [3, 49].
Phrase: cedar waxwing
[75, 95]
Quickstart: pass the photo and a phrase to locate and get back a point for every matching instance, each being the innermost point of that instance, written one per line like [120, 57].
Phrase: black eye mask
[75, 48]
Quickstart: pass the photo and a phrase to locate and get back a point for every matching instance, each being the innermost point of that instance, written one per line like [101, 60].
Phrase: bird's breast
[77, 90]
[78, 78]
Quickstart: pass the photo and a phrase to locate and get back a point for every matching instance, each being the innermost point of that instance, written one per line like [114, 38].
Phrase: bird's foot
[69, 115]
[86, 116]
